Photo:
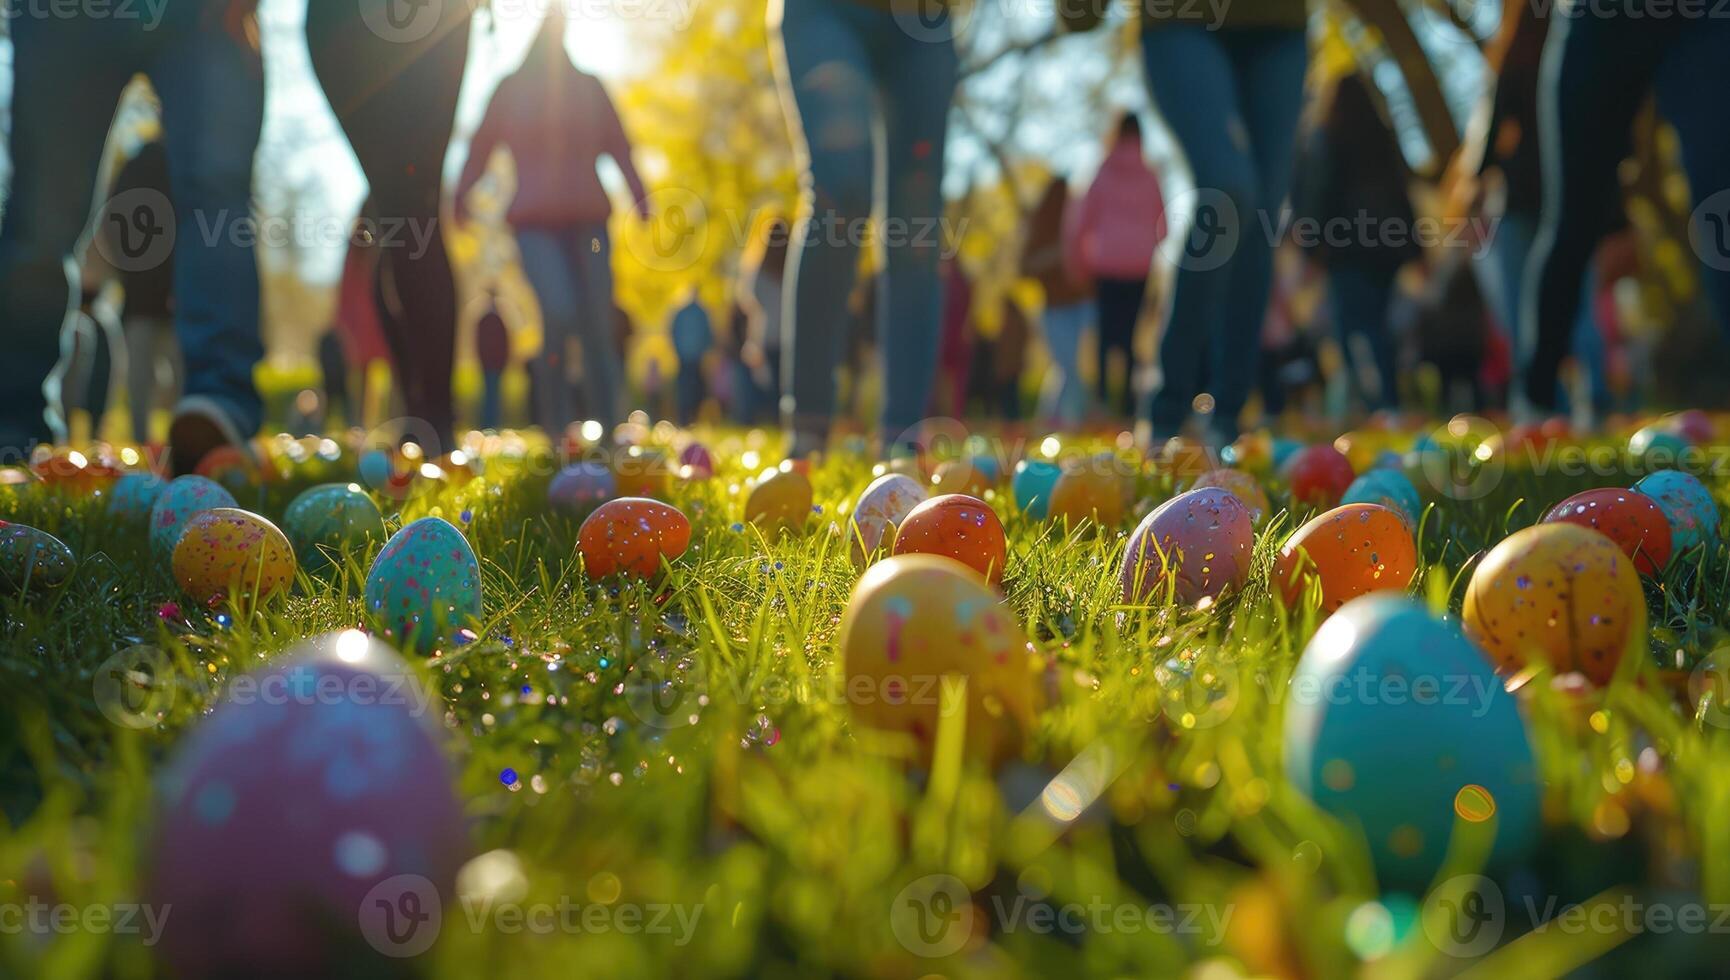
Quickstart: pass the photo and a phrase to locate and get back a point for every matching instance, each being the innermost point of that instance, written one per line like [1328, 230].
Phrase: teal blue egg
[1396, 725]
[184, 497]
[132, 496]
[1657, 447]
[1687, 505]
[376, 467]
[986, 466]
[425, 586]
[32, 559]
[331, 520]
[1390, 488]
[1282, 450]
[1032, 484]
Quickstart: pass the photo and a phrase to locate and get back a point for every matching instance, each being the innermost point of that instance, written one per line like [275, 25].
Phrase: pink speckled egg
[1197, 543]
[882, 508]
[309, 817]
[1246, 488]
[176, 504]
[228, 552]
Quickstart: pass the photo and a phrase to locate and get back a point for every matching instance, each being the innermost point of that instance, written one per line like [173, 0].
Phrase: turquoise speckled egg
[1396, 725]
[132, 496]
[329, 520]
[424, 585]
[1390, 488]
[1032, 485]
[1687, 505]
[175, 506]
[32, 558]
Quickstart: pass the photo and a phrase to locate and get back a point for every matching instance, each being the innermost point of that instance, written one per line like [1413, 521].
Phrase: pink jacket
[1121, 220]
[557, 121]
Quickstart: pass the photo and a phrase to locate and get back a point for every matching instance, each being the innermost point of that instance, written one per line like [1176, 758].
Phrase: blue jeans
[852, 75]
[1065, 398]
[69, 72]
[1361, 296]
[572, 273]
[1231, 99]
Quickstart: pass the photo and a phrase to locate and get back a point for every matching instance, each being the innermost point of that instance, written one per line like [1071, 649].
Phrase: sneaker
[201, 425]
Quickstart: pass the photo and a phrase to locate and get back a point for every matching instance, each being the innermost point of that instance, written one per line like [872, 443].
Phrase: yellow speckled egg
[915, 626]
[882, 508]
[781, 498]
[1096, 489]
[227, 551]
[1559, 591]
[1241, 485]
[1351, 550]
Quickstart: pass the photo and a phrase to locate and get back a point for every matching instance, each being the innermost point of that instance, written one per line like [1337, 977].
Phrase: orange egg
[1349, 551]
[959, 476]
[956, 526]
[631, 536]
[1241, 485]
[1095, 489]
[781, 498]
[1562, 592]
[915, 627]
[227, 551]
[639, 472]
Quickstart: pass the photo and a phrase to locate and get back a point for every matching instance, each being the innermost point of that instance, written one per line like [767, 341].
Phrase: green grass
[789, 834]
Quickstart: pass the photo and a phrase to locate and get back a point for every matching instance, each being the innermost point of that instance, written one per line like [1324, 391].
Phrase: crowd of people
[867, 102]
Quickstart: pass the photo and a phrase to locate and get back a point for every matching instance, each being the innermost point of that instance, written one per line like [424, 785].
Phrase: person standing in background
[147, 313]
[761, 289]
[1069, 307]
[557, 121]
[493, 351]
[692, 339]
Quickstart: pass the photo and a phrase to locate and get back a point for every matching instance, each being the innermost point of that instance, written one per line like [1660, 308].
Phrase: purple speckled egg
[186, 496]
[581, 487]
[311, 816]
[425, 585]
[696, 462]
[1200, 542]
[133, 495]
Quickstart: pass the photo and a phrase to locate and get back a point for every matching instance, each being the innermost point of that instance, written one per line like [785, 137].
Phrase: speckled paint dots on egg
[425, 585]
[1687, 504]
[1348, 551]
[881, 509]
[186, 496]
[956, 526]
[1246, 488]
[1198, 544]
[31, 558]
[228, 553]
[331, 520]
[631, 537]
[133, 495]
[1627, 517]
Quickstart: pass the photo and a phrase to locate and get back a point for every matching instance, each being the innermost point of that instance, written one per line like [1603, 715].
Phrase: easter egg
[913, 625]
[581, 487]
[1197, 544]
[781, 498]
[1396, 726]
[226, 551]
[1247, 489]
[329, 520]
[1185, 458]
[1390, 488]
[31, 558]
[425, 585]
[1348, 551]
[312, 803]
[631, 536]
[182, 498]
[1657, 447]
[1562, 591]
[1251, 452]
[956, 526]
[1318, 476]
[1032, 485]
[695, 462]
[1094, 489]
[1281, 450]
[960, 476]
[643, 473]
[1692, 425]
[1687, 504]
[883, 506]
[132, 496]
[1627, 517]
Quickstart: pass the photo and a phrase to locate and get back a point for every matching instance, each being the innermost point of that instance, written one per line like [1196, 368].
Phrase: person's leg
[1270, 67]
[1119, 306]
[1193, 84]
[1594, 76]
[553, 275]
[603, 375]
[144, 352]
[1064, 400]
[829, 96]
[1512, 247]
[1690, 85]
[917, 79]
[68, 73]
[1360, 297]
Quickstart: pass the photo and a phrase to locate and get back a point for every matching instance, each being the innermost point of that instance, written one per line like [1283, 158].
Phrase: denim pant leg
[1067, 402]
[1361, 296]
[212, 91]
[603, 374]
[553, 275]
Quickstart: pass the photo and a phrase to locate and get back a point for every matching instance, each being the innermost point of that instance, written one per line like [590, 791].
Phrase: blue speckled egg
[1032, 484]
[313, 802]
[581, 487]
[32, 558]
[1397, 726]
[1687, 505]
[329, 520]
[132, 496]
[175, 506]
[425, 585]
[1390, 488]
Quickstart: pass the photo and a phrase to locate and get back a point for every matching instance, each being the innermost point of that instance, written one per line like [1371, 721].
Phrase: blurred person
[761, 293]
[1007, 363]
[955, 343]
[396, 99]
[365, 300]
[493, 351]
[147, 311]
[557, 121]
[1118, 227]
[1356, 191]
[203, 62]
[854, 75]
[338, 389]
[692, 339]
[1069, 306]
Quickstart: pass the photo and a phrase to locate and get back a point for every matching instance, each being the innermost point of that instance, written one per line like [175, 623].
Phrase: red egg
[956, 526]
[631, 536]
[1318, 476]
[1350, 550]
[1627, 517]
